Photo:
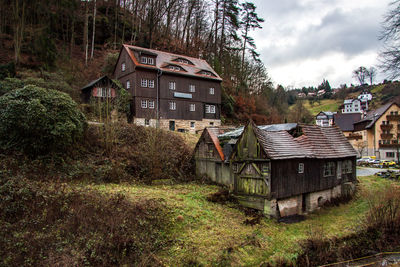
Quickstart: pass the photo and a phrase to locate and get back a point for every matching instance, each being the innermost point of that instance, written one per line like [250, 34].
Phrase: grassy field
[324, 105]
[211, 233]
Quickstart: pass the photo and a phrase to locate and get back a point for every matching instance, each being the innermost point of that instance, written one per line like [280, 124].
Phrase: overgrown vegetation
[38, 121]
[54, 224]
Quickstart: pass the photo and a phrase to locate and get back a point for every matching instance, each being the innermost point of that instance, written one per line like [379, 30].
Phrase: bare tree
[390, 35]
[360, 74]
[94, 28]
[19, 27]
[371, 74]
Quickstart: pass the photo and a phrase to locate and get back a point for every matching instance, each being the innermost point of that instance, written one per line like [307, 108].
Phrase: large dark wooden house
[285, 172]
[170, 91]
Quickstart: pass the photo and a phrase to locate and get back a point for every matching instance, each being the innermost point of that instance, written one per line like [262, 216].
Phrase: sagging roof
[345, 121]
[272, 127]
[316, 142]
[198, 68]
[373, 115]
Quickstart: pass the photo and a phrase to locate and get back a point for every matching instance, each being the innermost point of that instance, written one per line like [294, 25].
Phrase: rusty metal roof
[316, 142]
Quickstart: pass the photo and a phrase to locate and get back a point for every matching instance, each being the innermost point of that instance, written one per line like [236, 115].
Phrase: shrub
[7, 70]
[52, 224]
[38, 121]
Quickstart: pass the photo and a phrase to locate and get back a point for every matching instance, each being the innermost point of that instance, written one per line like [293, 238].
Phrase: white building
[354, 106]
[365, 96]
[325, 118]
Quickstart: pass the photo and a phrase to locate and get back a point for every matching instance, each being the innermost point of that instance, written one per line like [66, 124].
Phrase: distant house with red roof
[171, 91]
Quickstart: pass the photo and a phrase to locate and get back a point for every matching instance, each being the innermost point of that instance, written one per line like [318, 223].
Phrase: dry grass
[212, 233]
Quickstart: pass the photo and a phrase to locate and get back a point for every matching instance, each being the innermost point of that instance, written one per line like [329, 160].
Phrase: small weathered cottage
[212, 159]
[285, 174]
[101, 88]
[282, 170]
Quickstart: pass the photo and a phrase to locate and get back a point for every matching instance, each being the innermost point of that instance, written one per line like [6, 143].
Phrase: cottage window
[192, 124]
[151, 103]
[301, 167]
[347, 167]
[128, 84]
[192, 107]
[123, 66]
[192, 88]
[150, 61]
[390, 154]
[211, 91]
[329, 169]
[151, 83]
[172, 85]
[144, 60]
[210, 108]
[104, 92]
[144, 103]
[144, 83]
[172, 105]
[147, 122]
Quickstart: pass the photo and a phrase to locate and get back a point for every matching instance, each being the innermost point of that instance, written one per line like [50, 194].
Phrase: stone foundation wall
[290, 206]
[294, 205]
[180, 124]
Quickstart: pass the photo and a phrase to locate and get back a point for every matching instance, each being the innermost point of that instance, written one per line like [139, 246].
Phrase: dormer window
[183, 61]
[174, 67]
[207, 73]
[147, 60]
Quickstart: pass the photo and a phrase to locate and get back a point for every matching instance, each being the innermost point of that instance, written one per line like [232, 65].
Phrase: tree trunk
[72, 42]
[86, 32]
[19, 27]
[94, 29]
[216, 28]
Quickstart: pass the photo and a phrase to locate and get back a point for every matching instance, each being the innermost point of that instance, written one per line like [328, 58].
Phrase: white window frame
[172, 105]
[123, 66]
[172, 85]
[151, 104]
[192, 88]
[143, 103]
[192, 124]
[128, 84]
[192, 107]
[151, 83]
[210, 109]
[147, 122]
[212, 91]
[301, 167]
[143, 60]
[144, 83]
[150, 61]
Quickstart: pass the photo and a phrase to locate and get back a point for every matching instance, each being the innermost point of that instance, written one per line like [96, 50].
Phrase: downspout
[159, 73]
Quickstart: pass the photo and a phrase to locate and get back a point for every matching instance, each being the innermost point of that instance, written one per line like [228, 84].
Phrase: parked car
[387, 163]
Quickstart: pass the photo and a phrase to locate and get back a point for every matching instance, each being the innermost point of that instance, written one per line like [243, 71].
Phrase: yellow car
[387, 163]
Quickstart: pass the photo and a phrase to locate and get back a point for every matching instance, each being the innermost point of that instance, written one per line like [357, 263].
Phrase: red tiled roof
[165, 58]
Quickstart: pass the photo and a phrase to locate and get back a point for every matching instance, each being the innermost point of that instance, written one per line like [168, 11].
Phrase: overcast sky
[305, 41]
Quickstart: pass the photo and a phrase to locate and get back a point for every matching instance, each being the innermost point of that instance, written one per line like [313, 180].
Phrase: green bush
[38, 121]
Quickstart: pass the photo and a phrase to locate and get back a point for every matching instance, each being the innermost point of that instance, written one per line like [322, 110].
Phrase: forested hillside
[82, 38]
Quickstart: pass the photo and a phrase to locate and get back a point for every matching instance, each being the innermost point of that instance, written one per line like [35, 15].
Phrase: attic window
[184, 61]
[123, 66]
[207, 73]
[174, 67]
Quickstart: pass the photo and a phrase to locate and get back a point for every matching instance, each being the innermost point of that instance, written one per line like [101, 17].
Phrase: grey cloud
[349, 33]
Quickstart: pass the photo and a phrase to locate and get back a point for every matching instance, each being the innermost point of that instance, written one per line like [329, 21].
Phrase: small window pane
[144, 103]
[211, 91]
[144, 83]
[151, 103]
[151, 83]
